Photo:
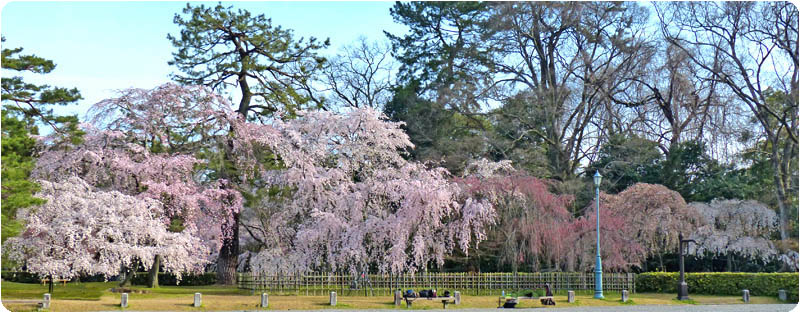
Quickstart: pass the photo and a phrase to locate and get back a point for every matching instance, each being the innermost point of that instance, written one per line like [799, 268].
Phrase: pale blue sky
[100, 47]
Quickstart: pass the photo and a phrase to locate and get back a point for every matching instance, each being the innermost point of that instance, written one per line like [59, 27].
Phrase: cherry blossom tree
[79, 231]
[618, 248]
[169, 117]
[650, 216]
[738, 227]
[145, 149]
[347, 200]
[532, 224]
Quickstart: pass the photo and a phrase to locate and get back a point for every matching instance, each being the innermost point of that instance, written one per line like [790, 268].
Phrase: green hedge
[20, 277]
[168, 279]
[759, 284]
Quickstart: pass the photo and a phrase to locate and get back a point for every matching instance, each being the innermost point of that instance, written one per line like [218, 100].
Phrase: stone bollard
[624, 295]
[570, 296]
[333, 298]
[123, 300]
[782, 295]
[746, 296]
[264, 300]
[197, 299]
[46, 301]
[457, 296]
[398, 297]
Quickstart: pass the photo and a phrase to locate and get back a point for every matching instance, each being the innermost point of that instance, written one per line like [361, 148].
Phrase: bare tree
[361, 75]
[566, 60]
[751, 48]
[672, 101]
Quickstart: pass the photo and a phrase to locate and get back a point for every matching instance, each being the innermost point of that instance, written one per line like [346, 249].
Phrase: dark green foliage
[169, 279]
[443, 52]
[219, 47]
[21, 277]
[25, 105]
[626, 160]
[438, 134]
[444, 68]
[32, 278]
[518, 131]
[34, 101]
[759, 284]
[17, 163]
[688, 169]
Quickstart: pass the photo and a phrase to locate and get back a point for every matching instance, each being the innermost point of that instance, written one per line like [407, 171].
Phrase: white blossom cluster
[79, 231]
[736, 226]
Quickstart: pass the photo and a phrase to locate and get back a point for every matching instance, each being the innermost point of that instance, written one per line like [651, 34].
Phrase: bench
[455, 299]
[445, 300]
[546, 300]
[62, 281]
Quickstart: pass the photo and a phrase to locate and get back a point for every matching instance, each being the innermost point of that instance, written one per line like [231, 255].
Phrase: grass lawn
[97, 297]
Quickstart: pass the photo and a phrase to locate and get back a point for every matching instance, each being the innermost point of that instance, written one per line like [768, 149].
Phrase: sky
[101, 47]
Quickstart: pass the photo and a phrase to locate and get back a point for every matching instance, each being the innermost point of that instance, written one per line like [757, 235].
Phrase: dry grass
[238, 302]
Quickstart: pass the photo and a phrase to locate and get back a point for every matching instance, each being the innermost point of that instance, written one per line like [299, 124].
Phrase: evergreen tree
[24, 105]
[17, 162]
[220, 47]
[35, 101]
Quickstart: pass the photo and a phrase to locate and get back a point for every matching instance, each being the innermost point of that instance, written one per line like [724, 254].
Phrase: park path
[682, 308]
[665, 308]
[642, 308]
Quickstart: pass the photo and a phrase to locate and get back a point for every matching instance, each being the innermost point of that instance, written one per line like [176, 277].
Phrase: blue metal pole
[598, 269]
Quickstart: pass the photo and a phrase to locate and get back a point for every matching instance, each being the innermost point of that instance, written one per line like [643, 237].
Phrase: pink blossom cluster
[145, 149]
[350, 199]
[641, 221]
[536, 225]
[79, 231]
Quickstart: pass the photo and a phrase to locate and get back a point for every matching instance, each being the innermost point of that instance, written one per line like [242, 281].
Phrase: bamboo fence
[467, 283]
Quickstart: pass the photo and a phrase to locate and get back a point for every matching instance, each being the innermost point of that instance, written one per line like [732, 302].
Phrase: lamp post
[683, 289]
[598, 269]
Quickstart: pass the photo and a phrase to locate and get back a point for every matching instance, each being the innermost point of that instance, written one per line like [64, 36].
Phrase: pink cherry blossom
[79, 231]
[349, 200]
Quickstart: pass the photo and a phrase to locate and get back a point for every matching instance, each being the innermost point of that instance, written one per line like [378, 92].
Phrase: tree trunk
[152, 275]
[50, 287]
[229, 255]
[128, 277]
[730, 263]
[779, 189]
[661, 261]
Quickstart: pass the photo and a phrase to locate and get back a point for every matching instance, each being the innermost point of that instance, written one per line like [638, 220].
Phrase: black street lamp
[683, 289]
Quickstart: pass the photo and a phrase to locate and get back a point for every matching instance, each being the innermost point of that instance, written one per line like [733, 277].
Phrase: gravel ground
[641, 308]
[680, 308]
[657, 308]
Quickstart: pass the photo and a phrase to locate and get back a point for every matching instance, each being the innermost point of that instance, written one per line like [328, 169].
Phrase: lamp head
[597, 178]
